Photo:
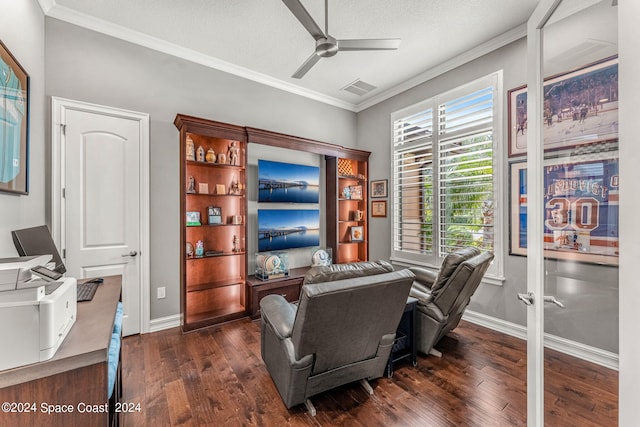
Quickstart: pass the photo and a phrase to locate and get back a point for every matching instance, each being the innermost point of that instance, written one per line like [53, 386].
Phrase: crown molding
[468, 56]
[53, 10]
[117, 31]
[46, 5]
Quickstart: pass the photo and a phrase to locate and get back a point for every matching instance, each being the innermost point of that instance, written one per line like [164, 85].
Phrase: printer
[36, 315]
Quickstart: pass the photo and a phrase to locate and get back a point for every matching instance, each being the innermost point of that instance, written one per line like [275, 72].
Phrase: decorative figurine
[233, 154]
[189, 250]
[211, 156]
[235, 188]
[200, 154]
[191, 149]
[191, 187]
[236, 243]
[346, 192]
[199, 248]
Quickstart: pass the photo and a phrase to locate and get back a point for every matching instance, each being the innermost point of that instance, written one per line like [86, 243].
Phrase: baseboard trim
[572, 348]
[575, 349]
[162, 323]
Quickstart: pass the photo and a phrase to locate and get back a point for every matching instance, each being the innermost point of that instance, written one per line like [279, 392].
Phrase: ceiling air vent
[359, 87]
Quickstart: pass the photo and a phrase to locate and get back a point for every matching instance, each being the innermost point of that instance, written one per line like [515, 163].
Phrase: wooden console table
[288, 287]
[75, 378]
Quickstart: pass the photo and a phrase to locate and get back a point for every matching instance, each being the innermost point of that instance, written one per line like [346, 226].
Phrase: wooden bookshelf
[213, 287]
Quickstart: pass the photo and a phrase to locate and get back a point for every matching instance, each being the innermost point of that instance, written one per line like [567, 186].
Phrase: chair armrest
[423, 297]
[424, 276]
[279, 313]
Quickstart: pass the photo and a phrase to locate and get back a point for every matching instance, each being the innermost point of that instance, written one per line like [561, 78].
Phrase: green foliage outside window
[466, 198]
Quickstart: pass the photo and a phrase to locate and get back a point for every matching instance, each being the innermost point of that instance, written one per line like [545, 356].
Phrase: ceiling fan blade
[369, 44]
[305, 19]
[310, 62]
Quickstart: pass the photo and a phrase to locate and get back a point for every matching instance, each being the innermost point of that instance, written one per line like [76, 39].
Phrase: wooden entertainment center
[215, 284]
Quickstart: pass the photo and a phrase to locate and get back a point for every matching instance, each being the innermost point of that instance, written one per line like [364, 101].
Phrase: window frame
[495, 273]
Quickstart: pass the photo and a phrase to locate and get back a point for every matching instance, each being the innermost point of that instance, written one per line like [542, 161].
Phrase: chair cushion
[450, 263]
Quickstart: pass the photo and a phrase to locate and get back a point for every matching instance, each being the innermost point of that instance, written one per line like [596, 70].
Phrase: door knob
[553, 300]
[527, 298]
[131, 254]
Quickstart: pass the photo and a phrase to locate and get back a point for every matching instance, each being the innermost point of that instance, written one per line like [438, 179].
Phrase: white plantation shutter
[413, 166]
[443, 173]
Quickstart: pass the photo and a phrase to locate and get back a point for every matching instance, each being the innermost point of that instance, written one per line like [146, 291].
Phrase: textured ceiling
[264, 37]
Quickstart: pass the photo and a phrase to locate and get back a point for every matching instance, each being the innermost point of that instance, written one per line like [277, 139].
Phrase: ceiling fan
[327, 46]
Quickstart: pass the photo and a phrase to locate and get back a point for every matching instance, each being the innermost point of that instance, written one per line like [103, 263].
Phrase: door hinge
[64, 193]
[63, 128]
[64, 253]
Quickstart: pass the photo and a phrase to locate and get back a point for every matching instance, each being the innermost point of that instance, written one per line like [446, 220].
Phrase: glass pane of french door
[580, 187]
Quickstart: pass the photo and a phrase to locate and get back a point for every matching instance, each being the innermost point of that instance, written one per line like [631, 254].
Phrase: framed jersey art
[580, 208]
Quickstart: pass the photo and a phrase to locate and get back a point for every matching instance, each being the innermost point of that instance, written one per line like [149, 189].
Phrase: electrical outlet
[162, 292]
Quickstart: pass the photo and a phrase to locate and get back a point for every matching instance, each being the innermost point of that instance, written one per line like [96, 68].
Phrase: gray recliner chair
[443, 296]
[341, 331]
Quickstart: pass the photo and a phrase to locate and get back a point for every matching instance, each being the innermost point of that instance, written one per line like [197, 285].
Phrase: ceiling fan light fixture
[326, 47]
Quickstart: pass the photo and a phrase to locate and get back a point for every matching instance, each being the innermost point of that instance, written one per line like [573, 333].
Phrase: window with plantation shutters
[445, 176]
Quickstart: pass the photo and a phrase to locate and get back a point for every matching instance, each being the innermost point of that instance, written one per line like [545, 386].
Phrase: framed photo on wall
[580, 107]
[14, 124]
[580, 208]
[379, 188]
[379, 208]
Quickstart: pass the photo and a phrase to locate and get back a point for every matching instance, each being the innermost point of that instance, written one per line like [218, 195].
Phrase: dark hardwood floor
[216, 377]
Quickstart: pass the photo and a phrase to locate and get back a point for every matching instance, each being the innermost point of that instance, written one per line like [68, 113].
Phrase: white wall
[88, 66]
[22, 32]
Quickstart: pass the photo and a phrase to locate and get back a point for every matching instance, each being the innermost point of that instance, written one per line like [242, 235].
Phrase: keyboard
[86, 291]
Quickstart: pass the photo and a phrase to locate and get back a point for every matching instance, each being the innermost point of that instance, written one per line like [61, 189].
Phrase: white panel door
[102, 202]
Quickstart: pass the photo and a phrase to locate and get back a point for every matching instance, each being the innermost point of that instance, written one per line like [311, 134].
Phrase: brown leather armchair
[443, 296]
[341, 331]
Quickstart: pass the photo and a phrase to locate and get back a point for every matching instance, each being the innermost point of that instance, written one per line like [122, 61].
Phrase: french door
[571, 182]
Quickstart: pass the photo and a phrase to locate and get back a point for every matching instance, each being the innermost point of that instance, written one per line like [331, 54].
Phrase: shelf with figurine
[228, 153]
[213, 233]
[347, 188]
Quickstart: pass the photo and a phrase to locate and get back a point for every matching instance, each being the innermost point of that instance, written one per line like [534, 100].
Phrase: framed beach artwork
[287, 183]
[280, 229]
[580, 107]
[14, 124]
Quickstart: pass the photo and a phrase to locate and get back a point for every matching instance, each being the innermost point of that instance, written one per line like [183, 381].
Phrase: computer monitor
[37, 241]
